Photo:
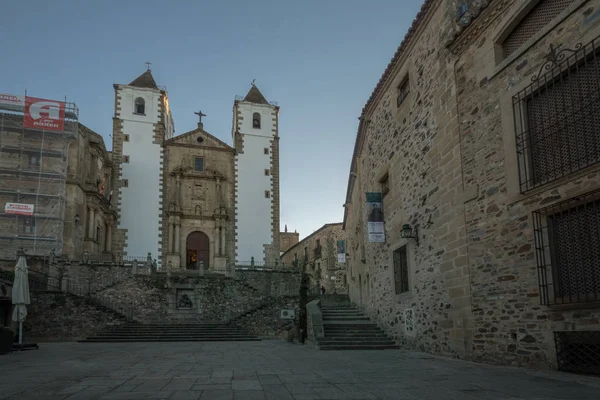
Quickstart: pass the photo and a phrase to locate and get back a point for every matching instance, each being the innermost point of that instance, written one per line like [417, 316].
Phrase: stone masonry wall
[88, 277]
[416, 144]
[63, 317]
[321, 267]
[267, 322]
[511, 327]
[271, 283]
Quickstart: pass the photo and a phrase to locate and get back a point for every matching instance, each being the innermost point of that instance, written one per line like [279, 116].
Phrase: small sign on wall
[341, 251]
[375, 218]
[19, 209]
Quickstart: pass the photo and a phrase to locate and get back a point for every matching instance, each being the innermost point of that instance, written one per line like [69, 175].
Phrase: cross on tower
[148, 64]
[200, 115]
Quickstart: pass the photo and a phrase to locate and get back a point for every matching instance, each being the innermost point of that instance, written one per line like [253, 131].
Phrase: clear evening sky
[319, 60]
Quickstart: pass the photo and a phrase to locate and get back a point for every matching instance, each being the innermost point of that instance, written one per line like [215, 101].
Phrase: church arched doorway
[197, 249]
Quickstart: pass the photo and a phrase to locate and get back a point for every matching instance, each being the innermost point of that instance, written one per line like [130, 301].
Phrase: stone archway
[197, 249]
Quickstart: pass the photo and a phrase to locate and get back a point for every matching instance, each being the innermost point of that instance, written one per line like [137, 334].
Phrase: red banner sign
[18, 209]
[44, 114]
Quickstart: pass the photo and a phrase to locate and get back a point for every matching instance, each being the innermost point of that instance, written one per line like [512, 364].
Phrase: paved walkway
[272, 370]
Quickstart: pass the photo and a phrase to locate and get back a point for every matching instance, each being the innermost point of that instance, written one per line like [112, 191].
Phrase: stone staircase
[346, 328]
[134, 332]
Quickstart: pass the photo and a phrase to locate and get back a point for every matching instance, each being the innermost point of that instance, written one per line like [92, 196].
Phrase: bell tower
[141, 123]
[256, 140]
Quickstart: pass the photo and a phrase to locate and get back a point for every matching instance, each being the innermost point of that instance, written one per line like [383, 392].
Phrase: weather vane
[253, 82]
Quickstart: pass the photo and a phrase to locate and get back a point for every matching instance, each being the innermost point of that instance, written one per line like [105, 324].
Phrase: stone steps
[346, 328]
[171, 333]
[358, 347]
[167, 339]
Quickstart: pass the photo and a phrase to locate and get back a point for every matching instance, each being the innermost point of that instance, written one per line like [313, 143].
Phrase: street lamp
[407, 233]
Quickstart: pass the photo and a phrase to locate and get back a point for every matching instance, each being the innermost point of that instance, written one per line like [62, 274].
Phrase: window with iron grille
[400, 258]
[29, 225]
[557, 118]
[567, 244]
[403, 91]
[578, 351]
[539, 16]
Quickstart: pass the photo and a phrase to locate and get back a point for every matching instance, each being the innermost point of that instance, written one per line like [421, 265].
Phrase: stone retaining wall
[271, 283]
[63, 317]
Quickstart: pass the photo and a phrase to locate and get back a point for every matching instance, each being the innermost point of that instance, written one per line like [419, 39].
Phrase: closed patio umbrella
[20, 292]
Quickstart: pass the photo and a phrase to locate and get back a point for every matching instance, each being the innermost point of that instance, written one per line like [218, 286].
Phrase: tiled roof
[145, 80]
[255, 96]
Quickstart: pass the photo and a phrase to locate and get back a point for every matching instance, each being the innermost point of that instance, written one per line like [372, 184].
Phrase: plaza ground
[269, 369]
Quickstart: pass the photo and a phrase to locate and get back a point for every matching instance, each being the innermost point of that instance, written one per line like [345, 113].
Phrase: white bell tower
[256, 140]
[141, 124]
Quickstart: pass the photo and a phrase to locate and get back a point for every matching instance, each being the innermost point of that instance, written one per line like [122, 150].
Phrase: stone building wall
[510, 324]
[287, 240]
[88, 202]
[320, 265]
[448, 149]
[415, 143]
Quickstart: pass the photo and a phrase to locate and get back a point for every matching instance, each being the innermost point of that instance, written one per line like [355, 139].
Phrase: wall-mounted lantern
[407, 233]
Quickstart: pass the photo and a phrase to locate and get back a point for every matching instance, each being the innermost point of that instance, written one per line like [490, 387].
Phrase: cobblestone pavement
[271, 370]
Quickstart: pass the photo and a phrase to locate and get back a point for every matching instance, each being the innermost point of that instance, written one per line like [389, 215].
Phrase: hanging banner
[48, 115]
[341, 251]
[18, 209]
[375, 218]
[11, 101]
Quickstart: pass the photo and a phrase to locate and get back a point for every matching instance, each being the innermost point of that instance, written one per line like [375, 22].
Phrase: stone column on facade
[170, 238]
[218, 235]
[91, 223]
[177, 235]
[178, 201]
[222, 248]
[109, 238]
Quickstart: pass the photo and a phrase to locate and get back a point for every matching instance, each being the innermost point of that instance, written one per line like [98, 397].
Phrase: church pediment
[199, 138]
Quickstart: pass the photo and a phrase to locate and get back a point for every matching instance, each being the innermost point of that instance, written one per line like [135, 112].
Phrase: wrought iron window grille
[567, 246]
[557, 117]
[578, 351]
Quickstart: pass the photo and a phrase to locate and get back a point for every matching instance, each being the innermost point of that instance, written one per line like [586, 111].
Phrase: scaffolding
[33, 179]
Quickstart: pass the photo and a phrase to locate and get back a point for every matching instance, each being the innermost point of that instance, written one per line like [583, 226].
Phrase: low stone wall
[145, 295]
[214, 299]
[314, 322]
[245, 299]
[87, 278]
[64, 317]
[271, 283]
[267, 321]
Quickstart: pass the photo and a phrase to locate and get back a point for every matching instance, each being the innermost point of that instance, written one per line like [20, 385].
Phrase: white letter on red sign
[47, 107]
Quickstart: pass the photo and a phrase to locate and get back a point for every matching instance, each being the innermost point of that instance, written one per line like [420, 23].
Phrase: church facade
[192, 199]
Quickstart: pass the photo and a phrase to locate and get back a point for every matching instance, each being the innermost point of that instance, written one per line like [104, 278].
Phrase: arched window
[140, 106]
[256, 120]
